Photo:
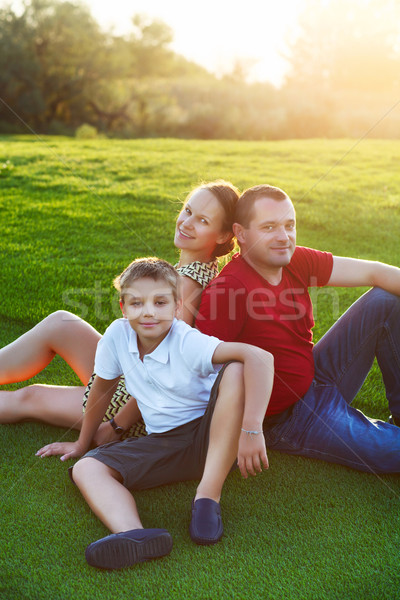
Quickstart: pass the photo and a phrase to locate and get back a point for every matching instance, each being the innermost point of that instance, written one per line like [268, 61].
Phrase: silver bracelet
[250, 432]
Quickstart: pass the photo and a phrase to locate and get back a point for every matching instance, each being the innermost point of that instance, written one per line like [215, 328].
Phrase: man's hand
[252, 454]
[66, 449]
[105, 434]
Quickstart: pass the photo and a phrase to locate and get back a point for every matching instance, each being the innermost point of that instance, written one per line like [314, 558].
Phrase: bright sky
[214, 33]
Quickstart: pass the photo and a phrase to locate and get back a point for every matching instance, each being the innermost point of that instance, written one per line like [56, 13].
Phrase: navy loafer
[125, 549]
[206, 524]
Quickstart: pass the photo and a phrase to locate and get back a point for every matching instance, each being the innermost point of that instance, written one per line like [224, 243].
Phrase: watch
[117, 428]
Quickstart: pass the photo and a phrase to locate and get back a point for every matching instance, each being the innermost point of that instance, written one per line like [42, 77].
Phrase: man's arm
[353, 272]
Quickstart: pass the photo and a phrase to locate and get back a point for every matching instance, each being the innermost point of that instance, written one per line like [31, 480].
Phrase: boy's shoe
[128, 548]
[206, 524]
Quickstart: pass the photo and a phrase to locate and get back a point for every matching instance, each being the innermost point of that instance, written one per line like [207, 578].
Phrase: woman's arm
[191, 296]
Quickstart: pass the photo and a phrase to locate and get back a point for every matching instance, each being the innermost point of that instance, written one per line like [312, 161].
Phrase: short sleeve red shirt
[240, 305]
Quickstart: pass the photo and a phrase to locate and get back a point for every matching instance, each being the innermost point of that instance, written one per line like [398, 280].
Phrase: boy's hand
[67, 449]
[105, 434]
[252, 454]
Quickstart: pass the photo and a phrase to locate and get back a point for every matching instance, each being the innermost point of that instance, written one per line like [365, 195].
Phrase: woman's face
[199, 226]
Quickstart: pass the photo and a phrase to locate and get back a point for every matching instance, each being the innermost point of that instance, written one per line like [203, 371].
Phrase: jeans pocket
[280, 435]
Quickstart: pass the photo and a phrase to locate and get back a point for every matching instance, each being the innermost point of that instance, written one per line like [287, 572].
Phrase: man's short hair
[245, 204]
[151, 267]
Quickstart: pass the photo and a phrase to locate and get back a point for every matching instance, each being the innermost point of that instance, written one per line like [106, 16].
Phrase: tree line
[59, 70]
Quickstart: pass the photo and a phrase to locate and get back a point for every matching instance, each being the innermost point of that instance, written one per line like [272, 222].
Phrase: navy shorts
[161, 458]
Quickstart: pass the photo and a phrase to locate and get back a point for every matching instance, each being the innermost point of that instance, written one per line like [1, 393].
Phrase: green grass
[74, 213]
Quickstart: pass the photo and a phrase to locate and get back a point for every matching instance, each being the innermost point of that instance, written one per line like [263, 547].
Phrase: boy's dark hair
[152, 267]
[227, 195]
[245, 204]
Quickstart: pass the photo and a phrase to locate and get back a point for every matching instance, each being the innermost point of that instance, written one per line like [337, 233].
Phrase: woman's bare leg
[55, 405]
[60, 333]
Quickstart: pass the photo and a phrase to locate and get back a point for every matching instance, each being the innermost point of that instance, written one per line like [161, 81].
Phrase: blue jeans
[323, 424]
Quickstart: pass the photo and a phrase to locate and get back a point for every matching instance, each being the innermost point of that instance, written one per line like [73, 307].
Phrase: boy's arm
[258, 368]
[99, 398]
[125, 418]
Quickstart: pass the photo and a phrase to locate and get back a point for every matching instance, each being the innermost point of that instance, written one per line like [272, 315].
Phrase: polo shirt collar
[160, 354]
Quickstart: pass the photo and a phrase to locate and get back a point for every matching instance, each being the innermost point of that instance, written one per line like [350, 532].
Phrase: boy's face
[150, 308]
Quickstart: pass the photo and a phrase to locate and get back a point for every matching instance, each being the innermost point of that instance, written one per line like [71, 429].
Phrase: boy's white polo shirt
[172, 385]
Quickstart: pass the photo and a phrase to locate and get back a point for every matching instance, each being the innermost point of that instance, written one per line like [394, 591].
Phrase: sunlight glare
[217, 34]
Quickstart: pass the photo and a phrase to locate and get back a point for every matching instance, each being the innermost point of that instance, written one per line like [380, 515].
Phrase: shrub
[86, 132]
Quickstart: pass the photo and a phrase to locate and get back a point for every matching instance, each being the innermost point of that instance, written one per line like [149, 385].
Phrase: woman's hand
[66, 449]
[252, 454]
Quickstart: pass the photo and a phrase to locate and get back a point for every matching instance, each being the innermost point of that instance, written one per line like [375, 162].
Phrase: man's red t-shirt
[241, 306]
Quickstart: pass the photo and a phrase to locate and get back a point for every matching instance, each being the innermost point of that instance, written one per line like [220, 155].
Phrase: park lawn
[74, 213]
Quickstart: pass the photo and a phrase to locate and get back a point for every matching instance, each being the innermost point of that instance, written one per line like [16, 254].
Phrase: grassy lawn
[74, 213]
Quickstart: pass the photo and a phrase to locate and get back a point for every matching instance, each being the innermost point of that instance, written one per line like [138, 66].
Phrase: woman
[203, 232]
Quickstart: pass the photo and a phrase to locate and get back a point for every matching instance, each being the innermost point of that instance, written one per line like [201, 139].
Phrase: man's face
[270, 239]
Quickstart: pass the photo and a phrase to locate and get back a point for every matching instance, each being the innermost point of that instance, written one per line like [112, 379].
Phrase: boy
[169, 369]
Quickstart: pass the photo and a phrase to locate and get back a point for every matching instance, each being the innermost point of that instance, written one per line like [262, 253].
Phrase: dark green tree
[48, 55]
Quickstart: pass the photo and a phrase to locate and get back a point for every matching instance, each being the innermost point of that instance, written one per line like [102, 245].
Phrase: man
[261, 297]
